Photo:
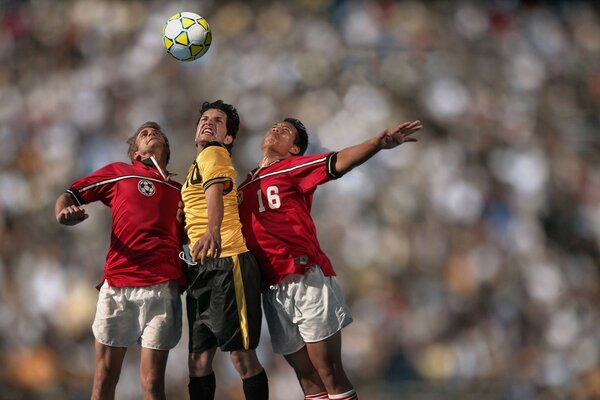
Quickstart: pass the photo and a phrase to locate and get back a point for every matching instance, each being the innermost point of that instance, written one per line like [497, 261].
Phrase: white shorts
[149, 315]
[304, 309]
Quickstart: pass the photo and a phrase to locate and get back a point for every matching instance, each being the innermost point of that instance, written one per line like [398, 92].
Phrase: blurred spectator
[474, 267]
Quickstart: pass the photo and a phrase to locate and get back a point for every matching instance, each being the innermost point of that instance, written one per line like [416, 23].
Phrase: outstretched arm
[354, 156]
[67, 212]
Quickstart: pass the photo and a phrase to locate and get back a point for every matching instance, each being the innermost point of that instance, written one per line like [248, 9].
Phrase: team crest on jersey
[146, 188]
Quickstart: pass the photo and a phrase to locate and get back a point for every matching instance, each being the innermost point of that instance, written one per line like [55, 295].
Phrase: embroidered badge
[146, 188]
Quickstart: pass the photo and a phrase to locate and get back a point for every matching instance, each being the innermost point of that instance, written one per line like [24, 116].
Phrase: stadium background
[470, 259]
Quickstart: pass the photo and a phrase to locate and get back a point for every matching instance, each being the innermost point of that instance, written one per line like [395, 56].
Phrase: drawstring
[188, 262]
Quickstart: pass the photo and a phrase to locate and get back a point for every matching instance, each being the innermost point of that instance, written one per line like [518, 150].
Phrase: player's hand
[71, 215]
[209, 245]
[401, 134]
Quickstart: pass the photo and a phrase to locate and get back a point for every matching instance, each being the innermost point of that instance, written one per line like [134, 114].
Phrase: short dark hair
[233, 119]
[133, 145]
[301, 139]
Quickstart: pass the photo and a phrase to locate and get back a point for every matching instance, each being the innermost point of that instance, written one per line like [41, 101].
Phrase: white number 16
[272, 198]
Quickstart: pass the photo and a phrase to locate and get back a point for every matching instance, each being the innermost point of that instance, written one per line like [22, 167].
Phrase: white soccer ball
[186, 36]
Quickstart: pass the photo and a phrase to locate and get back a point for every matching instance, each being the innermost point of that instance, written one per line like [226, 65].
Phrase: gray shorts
[303, 309]
[149, 315]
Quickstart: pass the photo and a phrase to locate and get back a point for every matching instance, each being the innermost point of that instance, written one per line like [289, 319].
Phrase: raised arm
[354, 156]
[67, 212]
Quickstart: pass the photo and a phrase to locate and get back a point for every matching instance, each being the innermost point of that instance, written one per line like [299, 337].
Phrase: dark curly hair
[233, 119]
[301, 139]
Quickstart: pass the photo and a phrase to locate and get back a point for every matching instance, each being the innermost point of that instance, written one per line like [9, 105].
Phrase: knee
[105, 375]
[246, 363]
[330, 371]
[200, 364]
[153, 383]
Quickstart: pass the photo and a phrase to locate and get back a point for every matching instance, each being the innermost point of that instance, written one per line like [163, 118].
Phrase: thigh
[224, 305]
[116, 322]
[198, 302]
[109, 358]
[322, 309]
[153, 363]
[235, 304]
[285, 336]
[161, 317]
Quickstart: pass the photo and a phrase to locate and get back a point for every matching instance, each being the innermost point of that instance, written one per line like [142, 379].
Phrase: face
[280, 138]
[148, 140]
[212, 127]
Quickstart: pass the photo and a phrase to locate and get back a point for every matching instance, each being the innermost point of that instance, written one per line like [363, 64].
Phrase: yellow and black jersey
[213, 165]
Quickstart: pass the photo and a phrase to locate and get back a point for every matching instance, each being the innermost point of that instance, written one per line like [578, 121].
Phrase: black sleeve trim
[224, 181]
[331, 171]
[76, 196]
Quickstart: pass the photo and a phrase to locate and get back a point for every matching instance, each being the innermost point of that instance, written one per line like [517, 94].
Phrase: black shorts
[223, 304]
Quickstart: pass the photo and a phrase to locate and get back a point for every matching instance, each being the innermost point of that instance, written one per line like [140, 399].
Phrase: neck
[200, 147]
[268, 159]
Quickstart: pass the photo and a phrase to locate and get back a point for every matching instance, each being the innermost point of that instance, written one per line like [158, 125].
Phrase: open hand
[401, 134]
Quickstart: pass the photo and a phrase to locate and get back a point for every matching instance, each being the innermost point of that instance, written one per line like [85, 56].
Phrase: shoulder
[116, 168]
[298, 161]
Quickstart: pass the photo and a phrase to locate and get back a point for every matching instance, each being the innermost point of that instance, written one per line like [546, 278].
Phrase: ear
[137, 156]
[295, 150]
[228, 139]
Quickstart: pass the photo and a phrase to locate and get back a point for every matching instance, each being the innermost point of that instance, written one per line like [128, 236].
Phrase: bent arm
[211, 239]
[67, 212]
[353, 156]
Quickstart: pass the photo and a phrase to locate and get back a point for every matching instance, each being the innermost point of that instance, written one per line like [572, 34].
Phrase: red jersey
[275, 204]
[145, 237]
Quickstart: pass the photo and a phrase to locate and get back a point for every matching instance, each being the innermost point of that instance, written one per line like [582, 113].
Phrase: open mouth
[207, 132]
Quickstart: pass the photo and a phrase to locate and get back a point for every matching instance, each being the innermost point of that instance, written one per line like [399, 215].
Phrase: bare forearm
[354, 156]
[210, 241]
[67, 212]
[64, 200]
[214, 202]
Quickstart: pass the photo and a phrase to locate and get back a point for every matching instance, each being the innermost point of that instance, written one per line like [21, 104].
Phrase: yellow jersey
[213, 165]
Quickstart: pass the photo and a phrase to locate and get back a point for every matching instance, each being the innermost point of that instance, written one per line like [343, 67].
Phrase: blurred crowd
[470, 259]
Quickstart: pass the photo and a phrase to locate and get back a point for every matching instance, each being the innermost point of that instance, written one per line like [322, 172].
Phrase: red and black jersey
[145, 237]
[275, 205]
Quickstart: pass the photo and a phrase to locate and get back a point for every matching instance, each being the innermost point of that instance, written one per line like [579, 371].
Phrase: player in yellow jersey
[223, 293]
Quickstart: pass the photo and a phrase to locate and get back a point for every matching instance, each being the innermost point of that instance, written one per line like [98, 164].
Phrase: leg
[305, 371]
[108, 369]
[152, 373]
[246, 363]
[326, 356]
[202, 378]
[200, 364]
[254, 378]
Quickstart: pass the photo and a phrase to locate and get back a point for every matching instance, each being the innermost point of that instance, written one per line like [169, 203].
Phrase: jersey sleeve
[314, 170]
[95, 187]
[215, 166]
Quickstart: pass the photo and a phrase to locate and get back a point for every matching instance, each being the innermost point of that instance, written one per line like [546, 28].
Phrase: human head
[133, 143]
[233, 119]
[301, 138]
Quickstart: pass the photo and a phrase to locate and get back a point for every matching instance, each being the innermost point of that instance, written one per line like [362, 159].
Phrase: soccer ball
[186, 36]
